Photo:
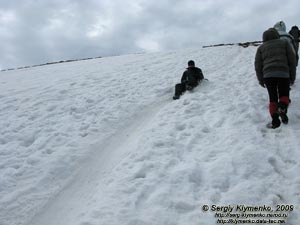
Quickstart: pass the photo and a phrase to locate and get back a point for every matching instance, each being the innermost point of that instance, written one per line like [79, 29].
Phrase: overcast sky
[39, 31]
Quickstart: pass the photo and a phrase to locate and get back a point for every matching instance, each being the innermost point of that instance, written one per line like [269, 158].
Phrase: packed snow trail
[52, 115]
[209, 147]
[106, 155]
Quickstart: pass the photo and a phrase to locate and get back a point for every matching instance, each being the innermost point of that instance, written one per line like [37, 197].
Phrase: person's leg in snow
[271, 85]
[282, 111]
[275, 121]
[273, 106]
[182, 87]
[278, 89]
[179, 90]
[284, 100]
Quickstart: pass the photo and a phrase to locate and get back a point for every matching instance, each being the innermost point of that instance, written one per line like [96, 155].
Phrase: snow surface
[101, 142]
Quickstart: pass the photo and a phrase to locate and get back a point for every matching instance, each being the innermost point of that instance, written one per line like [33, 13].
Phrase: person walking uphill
[190, 79]
[281, 28]
[275, 66]
[296, 35]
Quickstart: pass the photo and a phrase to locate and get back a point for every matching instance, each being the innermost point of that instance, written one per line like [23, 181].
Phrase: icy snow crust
[101, 142]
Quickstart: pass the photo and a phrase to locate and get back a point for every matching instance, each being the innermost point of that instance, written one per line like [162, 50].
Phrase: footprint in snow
[141, 173]
[219, 123]
[273, 163]
[48, 151]
[63, 92]
[51, 108]
[183, 207]
[186, 102]
[205, 129]
[159, 144]
[180, 127]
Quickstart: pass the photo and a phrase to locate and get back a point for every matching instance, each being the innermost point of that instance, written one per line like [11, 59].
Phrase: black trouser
[279, 93]
[182, 87]
[277, 88]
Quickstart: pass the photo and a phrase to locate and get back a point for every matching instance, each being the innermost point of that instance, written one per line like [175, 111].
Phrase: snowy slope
[101, 141]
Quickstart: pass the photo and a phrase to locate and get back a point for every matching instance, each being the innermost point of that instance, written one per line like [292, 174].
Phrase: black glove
[261, 83]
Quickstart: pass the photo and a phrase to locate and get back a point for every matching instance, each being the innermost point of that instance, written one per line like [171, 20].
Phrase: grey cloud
[39, 31]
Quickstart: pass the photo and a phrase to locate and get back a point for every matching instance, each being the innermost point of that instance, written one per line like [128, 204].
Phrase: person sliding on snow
[190, 79]
[275, 66]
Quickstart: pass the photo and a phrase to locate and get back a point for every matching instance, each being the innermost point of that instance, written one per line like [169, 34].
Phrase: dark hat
[270, 34]
[191, 63]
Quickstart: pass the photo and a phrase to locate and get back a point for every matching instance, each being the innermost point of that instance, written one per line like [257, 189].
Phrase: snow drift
[102, 142]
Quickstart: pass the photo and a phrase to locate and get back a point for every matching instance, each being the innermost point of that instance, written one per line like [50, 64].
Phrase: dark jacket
[275, 58]
[295, 33]
[192, 76]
